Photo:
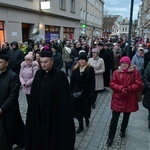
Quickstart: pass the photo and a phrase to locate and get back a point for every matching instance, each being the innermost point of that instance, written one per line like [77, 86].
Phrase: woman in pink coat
[125, 83]
[27, 73]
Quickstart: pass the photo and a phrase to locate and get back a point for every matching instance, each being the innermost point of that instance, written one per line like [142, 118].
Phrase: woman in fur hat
[82, 81]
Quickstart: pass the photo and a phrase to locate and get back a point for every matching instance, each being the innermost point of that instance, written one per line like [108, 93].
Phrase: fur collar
[131, 68]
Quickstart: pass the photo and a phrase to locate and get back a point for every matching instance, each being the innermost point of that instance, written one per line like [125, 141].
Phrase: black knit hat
[83, 55]
[4, 56]
[46, 54]
[55, 46]
[100, 44]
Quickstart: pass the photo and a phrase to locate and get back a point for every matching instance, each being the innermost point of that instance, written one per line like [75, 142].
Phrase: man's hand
[1, 111]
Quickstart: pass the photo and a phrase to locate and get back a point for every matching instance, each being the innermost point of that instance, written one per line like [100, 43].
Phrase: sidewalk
[137, 137]
[94, 137]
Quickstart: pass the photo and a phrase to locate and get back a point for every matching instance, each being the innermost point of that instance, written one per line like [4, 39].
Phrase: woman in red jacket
[125, 83]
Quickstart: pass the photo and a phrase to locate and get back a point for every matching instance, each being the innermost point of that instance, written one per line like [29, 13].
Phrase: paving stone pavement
[94, 137]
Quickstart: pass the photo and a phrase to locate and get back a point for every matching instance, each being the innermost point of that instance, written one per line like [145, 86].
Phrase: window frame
[62, 4]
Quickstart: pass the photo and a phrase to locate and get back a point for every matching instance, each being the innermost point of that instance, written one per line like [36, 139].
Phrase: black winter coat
[58, 63]
[106, 57]
[10, 120]
[146, 59]
[49, 124]
[16, 56]
[83, 82]
[146, 81]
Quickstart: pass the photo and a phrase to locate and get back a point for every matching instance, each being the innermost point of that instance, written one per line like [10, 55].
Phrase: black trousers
[149, 114]
[114, 122]
[68, 67]
[28, 98]
[95, 97]
[3, 143]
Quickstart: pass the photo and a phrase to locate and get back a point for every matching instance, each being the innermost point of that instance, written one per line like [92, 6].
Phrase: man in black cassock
[11, 124]
[49, 123]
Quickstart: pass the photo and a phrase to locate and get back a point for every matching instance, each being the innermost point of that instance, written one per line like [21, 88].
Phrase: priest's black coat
[11, 124]
[49, 124]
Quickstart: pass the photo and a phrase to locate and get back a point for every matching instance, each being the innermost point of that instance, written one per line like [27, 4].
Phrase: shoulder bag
[138, 93]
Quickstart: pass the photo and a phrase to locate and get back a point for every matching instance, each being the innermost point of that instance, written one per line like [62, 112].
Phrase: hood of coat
[130, 69]
[33, 63]
[16, 44]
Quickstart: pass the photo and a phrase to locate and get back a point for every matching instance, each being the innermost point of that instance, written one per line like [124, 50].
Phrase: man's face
[5, 46]
[106, 47]
[53, 50]
[100, 47]
[78, 45]
[67, 43]
[3, 64]
[13, 46]
[46, 63]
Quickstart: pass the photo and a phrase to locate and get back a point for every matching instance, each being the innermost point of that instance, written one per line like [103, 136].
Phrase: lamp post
[130, 27]
[86, 14]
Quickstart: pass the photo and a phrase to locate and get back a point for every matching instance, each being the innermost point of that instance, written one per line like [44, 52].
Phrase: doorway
[1, 33]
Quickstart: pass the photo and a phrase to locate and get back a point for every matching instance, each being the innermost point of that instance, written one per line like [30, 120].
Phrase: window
[62, 4]
[88, 16]
[72, 5]
[84, 14]
[81, 13]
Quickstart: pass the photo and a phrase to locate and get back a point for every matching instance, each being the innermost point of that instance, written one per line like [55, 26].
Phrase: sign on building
[146, 30]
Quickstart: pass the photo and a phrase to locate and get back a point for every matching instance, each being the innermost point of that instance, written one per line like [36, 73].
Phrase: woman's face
[37, 57]
[94, 55]
[124, 65]
[82, 62]
[28, 61]
[36, 47]
[141, 53]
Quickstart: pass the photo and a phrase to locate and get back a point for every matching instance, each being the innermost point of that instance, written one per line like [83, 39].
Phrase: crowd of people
[55, 96]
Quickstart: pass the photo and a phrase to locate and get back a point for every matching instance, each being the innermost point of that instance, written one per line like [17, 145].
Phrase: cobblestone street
[94, 137]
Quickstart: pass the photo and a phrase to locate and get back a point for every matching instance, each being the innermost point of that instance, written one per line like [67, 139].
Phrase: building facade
[144, 19]
[91, 14]
[19, 17]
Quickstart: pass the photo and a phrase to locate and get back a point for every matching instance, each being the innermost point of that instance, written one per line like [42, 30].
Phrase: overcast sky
[122, 7]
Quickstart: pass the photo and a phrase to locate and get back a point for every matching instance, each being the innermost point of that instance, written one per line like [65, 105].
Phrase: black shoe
[122, 134]
[79, 130]
[87, 122]
[93, 106]
[109, 142]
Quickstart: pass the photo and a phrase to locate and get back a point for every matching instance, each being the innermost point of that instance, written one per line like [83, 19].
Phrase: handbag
[138, 93]
[77, 95]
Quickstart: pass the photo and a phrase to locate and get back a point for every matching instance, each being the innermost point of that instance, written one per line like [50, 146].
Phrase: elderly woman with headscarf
[138, 60]
[125, 83]
[83, 82]
[99, 68]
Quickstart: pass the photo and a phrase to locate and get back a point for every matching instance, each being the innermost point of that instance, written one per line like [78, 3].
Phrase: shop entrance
[26, 29]
[1, 33]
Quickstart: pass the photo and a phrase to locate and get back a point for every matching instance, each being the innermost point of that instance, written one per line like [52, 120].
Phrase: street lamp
[130, 27]
[86, 14]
